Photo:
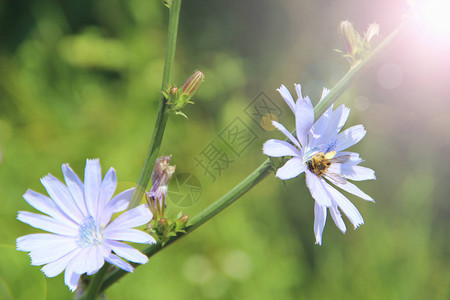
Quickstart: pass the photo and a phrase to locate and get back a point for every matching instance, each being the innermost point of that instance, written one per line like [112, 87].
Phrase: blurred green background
[81, 79]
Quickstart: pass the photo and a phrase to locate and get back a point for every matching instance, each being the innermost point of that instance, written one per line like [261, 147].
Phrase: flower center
[90, 233]
[320, 162]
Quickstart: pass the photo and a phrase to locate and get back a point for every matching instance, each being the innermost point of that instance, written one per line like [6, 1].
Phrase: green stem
[158, 132]
[94, 285]
[238, 191]
[163, 115]
[264, 169]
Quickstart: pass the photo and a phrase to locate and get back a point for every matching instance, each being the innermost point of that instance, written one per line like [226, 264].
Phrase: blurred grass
[81, 80]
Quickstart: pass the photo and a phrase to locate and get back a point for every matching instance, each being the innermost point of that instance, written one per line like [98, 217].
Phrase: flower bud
[181, 222]
[173, 90]
[372, 31]
[192, 84]
[163, 226]
[183, 219]
[350, 36]
[161, 174]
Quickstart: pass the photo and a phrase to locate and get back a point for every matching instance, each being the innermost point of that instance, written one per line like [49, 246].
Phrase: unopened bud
[372, 31]
[173, 90]
[193, 83]
[350, 36]
[161, 174]
[183, 219]
[163, 226]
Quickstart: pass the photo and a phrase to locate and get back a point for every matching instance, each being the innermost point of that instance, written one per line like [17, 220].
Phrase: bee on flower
[318, 151]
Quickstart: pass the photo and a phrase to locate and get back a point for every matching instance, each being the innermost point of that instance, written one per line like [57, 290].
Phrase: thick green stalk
[163, 115]
[266, 167]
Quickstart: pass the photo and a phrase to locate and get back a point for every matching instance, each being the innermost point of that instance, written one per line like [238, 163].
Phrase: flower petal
[130, 235]
[131, 218]
[75, 186]
[351, 171]
[116, 204]
[117, 261]
[346, 206]
[343, 118]
[320, 218]
[318, 192]
[52, 249]
[107, 189]
[360, 173]
[46, 205]
[325, 93]
[349, 137]
[298, 89]
[319, 127]
[127, 252]
[89, 260]
[287, 97]
[304, 119]
[33, 241]
[92, 183]
[292, 168]
[277, 148]
[337, 218]
[354, 157]
[289, 135]
[71, 278]
[328, 137]
[56, 267]
[353, 189]
[62, 197]
[47, 223]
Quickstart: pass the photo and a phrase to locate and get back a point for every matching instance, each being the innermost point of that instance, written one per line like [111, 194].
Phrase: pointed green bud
[163, 227]
[183, 219]
[372, 32]
[357, 47]
[187, 92]
[181, 223]
[350, 36]
[192, 84]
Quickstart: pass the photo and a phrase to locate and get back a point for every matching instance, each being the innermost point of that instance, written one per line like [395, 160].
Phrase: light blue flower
[78, 217]
[318, 151]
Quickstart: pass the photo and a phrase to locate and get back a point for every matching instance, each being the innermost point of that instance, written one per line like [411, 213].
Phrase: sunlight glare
[435, 14]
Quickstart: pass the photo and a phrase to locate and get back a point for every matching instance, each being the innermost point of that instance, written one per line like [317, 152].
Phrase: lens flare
[435, 16]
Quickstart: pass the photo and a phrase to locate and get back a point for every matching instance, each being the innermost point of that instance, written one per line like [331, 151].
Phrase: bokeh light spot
[197, 269]
[362, 103]
[237, 265]
[390, 76]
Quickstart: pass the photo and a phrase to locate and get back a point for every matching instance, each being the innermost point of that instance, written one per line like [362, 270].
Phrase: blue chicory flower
[78, 218]
[318, 151]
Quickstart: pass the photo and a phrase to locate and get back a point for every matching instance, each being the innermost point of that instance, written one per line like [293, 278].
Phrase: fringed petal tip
[356, 226]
